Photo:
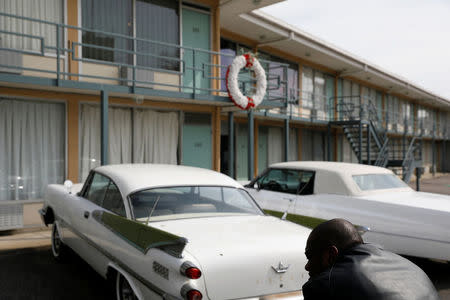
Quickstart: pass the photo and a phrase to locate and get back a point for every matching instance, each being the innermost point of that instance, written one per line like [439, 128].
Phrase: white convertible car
[375, 199]
[173, 232]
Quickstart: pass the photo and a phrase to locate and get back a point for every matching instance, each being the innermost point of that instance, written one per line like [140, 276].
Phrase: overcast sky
[410, 38]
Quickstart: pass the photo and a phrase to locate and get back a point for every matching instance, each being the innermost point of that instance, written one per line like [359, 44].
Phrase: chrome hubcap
[56, 241]
[126, 292]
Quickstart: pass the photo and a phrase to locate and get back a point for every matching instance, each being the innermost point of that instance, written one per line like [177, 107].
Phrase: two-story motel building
[86, 82]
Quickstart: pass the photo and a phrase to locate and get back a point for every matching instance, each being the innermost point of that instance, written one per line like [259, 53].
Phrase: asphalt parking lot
[28, 270]
[440, 184]
[32, 273]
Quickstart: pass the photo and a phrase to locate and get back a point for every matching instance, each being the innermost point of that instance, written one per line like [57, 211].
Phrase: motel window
[156, 23]
[135, 136]
[317, 90]
[307, 87]
[32, 147]
[15, 29]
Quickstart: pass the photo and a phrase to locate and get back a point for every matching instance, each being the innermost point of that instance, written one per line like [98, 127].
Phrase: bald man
[341, 266]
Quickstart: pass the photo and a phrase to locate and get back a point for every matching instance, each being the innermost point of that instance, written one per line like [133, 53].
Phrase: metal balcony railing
[106, 58]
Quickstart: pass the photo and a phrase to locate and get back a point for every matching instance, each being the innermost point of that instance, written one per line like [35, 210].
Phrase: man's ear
[333, 253]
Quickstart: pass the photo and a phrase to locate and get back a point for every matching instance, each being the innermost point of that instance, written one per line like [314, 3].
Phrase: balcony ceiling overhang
[230, 8]
[266, 31]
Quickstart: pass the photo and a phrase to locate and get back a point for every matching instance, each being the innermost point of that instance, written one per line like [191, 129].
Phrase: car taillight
[194, 295]
[189, 270]
[189, 292]
[193, 273]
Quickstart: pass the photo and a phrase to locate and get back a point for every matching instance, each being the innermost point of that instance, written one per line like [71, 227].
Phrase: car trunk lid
[241, 255]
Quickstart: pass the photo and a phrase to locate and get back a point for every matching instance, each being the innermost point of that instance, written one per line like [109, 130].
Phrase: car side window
[288, 181]
[113, 200]
[97, 189]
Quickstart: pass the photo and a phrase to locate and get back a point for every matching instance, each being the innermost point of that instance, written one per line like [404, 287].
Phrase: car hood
[413, 199]
[238, 255]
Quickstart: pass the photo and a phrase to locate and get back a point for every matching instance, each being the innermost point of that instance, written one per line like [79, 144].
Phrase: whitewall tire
[124, 291]
[59, 250]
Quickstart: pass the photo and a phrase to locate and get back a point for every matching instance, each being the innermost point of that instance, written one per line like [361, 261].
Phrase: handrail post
[231, 144]
[194, 86]
[329, 142]
[133, 87]
[369, 162]
[286, 139]
[58, 63]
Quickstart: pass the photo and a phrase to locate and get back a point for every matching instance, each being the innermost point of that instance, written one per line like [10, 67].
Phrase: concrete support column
[360, 142]
[329, 142]
[369, 158]
[104, 127]
[251, 121]
[286, 139]
[231, 144]
[216, 138]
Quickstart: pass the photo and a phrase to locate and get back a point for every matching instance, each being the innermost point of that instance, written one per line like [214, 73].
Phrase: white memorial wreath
[246, 61]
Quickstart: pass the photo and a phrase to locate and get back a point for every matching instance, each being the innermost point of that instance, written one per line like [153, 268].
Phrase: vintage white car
[399, 218]
[174, 232]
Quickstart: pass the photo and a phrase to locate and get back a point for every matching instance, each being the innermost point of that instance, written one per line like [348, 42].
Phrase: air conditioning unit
[141, 75]
[12, 59]
[11, 216]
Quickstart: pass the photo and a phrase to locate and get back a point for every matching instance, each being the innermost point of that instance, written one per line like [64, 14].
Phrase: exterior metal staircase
[368, 138]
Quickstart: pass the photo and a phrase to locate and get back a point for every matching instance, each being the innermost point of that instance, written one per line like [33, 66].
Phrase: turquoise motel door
[196, 28]
[197, 140]
[262, 149]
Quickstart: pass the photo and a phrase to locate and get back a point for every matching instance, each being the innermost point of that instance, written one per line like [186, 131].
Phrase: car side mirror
[257, 186]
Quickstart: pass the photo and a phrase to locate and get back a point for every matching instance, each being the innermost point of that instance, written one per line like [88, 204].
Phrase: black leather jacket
[366, 271]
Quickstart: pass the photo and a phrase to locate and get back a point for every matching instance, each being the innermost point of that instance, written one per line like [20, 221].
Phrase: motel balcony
[40, 54]
[44, 54]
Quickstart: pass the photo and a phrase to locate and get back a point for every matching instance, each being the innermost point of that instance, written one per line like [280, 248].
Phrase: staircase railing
[410, 162]
[383, 155]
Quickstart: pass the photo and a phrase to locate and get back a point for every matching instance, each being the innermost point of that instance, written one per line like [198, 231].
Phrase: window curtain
[139, 136]
[293, 90]
[47, 10]
[307, 145]
[119, 139]
[155, 137]
[319, 95]
[32, 148]
[308, 87]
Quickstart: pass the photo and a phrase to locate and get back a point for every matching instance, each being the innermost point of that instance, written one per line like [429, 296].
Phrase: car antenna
[284, 216]
[153, 209]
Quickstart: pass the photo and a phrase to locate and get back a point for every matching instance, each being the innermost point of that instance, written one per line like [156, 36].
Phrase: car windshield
[369, 182]
[191, 202]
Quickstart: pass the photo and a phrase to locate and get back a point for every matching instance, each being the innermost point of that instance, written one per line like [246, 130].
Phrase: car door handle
[86, 214]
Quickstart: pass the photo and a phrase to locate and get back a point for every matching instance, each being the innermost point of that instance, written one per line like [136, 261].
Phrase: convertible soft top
[333, 177]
